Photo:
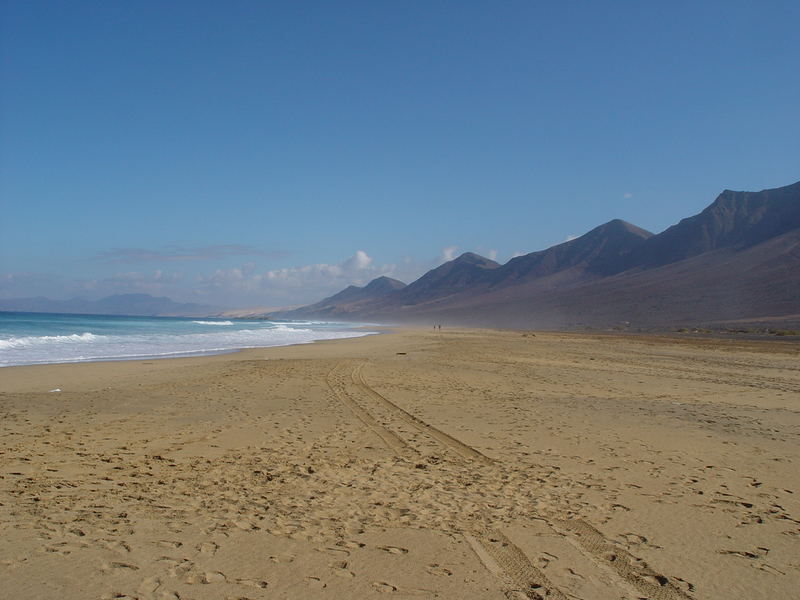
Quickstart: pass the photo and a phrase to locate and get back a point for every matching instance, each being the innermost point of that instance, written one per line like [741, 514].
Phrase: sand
[461, 465]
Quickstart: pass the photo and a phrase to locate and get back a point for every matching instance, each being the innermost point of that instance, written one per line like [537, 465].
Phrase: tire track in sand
[449, 441]
[336, 383]
[519, 578]
[506, 561]
[634, 571]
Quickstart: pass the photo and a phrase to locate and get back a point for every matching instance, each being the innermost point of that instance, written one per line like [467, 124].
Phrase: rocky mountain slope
[737, 260]
[349, 300]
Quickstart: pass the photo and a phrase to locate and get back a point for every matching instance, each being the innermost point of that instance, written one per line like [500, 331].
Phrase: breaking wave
[40, 340]
[133, 338]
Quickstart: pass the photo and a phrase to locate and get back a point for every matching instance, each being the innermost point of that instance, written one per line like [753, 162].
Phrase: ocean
[42, 338]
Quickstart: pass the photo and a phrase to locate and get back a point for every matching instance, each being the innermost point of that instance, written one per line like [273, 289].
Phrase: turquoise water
[40, 338]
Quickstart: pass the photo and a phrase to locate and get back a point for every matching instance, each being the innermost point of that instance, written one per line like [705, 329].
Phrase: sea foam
[40, 340]
[126, 338]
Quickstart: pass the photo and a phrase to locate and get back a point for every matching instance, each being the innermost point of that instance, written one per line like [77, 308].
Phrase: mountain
[348, 300]
[604, 250]
[470, 274]
[120, 304]
[463, 272]
[376, 288]
[734, 219]
[757, 284]
[739, 259]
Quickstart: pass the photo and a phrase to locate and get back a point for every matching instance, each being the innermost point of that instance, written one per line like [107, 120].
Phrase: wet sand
[455, 465]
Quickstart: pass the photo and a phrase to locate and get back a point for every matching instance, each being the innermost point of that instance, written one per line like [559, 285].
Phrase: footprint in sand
[756, 553]
[544, 559]
[393, 549]
[208, 548]
[179, 568]
[350, 544]
[256, 583]
[659, 580]
[58, 549]
[315, 582]
[570, 573]
[334, 551]
[118, 565]
[768, 569]
[115, 545]
[439, 570]
[214, 577]
[344, 573]
[689, 587]
[634, 538]
[149, 585]
[340, 569]
[283, 558]
[381, 586]
[246, 525]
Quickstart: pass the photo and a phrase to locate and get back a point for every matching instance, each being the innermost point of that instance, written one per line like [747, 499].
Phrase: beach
[461, 464]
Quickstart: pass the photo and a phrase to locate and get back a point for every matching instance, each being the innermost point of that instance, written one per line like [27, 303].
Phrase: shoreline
[14, 378]
[364, 331]
[394, 464]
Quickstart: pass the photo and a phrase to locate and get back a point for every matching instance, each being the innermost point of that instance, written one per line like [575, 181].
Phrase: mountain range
[736, 261]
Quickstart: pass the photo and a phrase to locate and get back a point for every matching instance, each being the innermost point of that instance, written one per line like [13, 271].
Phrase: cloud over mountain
[284, 284]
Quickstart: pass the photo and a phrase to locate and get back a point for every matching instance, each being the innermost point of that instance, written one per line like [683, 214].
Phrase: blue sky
[266, 153]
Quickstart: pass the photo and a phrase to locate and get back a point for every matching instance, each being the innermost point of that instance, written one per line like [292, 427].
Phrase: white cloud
[307, 283]
[627, 195]
[240, 286]
[244, 285]
[358, 262]
[569, 238]
[448, 253]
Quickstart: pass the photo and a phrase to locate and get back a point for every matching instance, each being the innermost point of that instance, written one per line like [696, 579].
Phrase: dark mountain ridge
[374, 289]
[738, 258]
[455, 275]
[348, 299]
[602, 251]
[759, 283]
[734, 219]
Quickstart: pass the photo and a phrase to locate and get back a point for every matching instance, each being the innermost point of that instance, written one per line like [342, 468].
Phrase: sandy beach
[456, 465]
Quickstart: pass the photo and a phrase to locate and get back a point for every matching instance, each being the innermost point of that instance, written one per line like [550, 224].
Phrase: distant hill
[737, 260]
[120, 304]
[348, 300]
[465, 272]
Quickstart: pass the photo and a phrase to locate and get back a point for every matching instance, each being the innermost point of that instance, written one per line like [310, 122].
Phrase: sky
[271, 153]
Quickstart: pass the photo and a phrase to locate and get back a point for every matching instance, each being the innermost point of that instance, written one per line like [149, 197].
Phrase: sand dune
[463, 465]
